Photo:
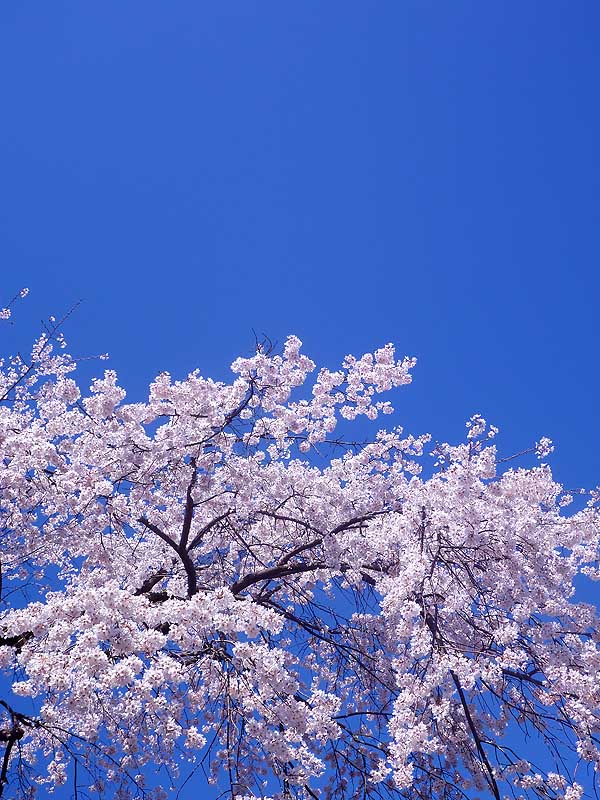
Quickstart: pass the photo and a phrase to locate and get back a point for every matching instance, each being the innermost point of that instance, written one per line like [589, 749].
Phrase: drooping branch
[10, 736]
[491, 779]
[13, 737]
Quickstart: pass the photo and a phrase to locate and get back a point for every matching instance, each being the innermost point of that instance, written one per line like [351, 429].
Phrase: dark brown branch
[189, 507]
[437, 638]
[155, 529]
[11, 736]
[272, 572]
[319, 540]
[366, 578]
[151, 582]
[5, 762]
[190, 571]
[300, 549]
[16, 641]
[287, 518]
[202, 533]
[523, 676]
[476, 738]
[354, 521]
[188, 564]
[231, 415]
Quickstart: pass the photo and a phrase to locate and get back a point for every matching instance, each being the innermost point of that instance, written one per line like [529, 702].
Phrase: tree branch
[155, 529]
[271, 573]
[188, 564]
[476, 738]
[16, 641]
[189, 507]
[202, 533]
[150, 583]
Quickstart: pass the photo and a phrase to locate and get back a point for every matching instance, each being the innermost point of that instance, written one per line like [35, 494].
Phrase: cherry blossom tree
[220, 582]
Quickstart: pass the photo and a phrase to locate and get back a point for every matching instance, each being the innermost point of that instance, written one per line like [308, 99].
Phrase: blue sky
[355, 173]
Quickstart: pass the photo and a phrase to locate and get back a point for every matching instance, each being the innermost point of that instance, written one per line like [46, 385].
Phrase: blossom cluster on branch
[220, 581]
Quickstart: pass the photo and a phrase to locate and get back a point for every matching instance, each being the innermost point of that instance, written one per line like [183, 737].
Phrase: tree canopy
[221, 581]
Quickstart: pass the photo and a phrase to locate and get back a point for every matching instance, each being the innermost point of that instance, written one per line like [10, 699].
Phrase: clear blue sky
[353, 172]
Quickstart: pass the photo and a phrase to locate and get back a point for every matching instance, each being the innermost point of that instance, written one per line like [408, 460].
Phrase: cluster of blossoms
[217, 578]
[6, 312]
